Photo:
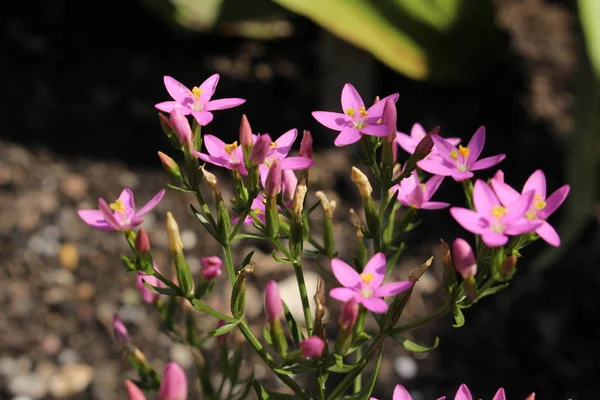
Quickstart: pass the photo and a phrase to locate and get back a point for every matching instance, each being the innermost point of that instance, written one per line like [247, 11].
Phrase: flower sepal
[169, 131]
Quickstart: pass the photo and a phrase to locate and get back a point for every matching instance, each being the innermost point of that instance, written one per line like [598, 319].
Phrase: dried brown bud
[328, 206]
[212, 182]
[362, 182]
[298, 202]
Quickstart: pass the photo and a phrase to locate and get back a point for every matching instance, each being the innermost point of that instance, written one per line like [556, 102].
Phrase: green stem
[239, 224]
[437, 314]
[229, 263]
[260, 350]
[358, 380]
[304, 297]
[468, 188]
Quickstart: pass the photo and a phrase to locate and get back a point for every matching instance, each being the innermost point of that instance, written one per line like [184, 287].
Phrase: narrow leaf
[414, 347]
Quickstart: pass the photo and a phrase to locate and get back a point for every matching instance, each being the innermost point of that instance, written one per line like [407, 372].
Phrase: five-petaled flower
[463, 393]
[459, 163]
[356, 119]
[120, 215]
[541, 208]
[196, 101]
[493, 220]
[413, 193]
[366, 288]
[417, 133]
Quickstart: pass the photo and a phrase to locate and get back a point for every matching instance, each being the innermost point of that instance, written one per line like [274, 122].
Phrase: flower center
[197, 92]
[229, 148]
[531, 215]
[362, 111]
[423, 187]
[497, 227]
[499, 211]
[366, 278]
[273, 145]
[463, 151]
[118, 206]
[539, 202]
[366, 292]
[350, 112]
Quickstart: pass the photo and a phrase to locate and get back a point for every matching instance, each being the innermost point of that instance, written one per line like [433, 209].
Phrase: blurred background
[80, 83]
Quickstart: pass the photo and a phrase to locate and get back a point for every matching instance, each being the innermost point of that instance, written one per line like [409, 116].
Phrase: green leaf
[200, 306]
[204, 222]
[267, 336]
[295, 328]
[387, 213]
[179, 189]
[264, 394]
[339, 367]
[250, 236]
[492, 290]
[311, 209]
[295, 368]
[281, 260]
[459, 318]
[247, 259]
[223, 329]
[365, 394]
[129, 263]
[162, 290]
[414, 347]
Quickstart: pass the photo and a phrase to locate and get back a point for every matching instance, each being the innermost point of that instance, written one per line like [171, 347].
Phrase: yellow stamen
[229, 148]
[362, 112]
[453, 154]
[423, 187]
[197, 92]
[366, 278]
[464, 151]
[273, 145]
[117, 206]
[499, 211]
[530, 215]
[350, 112]
[539, 202]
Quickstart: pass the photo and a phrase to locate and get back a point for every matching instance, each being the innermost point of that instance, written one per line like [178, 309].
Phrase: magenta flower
[133, 392]
[541, 208]
[464, 258]
[120, 215]
[211, 267]
[224, 155]
[258, 207]
[273, 303]
[196, 101]
[400, 393]
[492, 220]
[356, 119]
[366, 288]
[120, 330]
[312, 347]
[174, 383]
[415, 194]
[459, 162]
[417, 133]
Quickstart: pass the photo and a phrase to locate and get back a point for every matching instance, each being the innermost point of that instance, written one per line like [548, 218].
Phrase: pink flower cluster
[463, 393]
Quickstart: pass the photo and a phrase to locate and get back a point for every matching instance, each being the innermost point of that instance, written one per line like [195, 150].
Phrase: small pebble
[85, 290]
[181, 355]
[30, 385]
[68, 356]
[70, 380]
[406, 367]
[68, 256]
[51, 344]
[74, 186]
[189, 238]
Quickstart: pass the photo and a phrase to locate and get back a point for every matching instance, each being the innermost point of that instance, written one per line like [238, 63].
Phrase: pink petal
[453, 141]
[332, 120]
[351, 98]
[476, 145]
[345, 274]
[432, 185]
[289, 182]
[549, 234]
[134, 392]
[128, 200]
[373, 304]
[167, 106]
[406, 142]
[499, 395]
[522, 226]
[434, 205]
[469, 219]
[555, 200]
[286, 141]
[505, 193]
[108, 214]
[460, 176]
[487, 162]
[417, 132]
[96, 219]
[463, 393]
[215, 146]
[347, 136]
[150, 204]
[442, 398]
[203, 117]
[391, 289]
[218, 161]
[176, 89]
[484, 198]
[342, 294]
[436, 166]
[537, 183]
[494, 239]
[208, 87]
[376, 267]
[518, 208]
[443, 146]
[400, 393]
[295, 163]
[376, 130]
[415, 197]
[376, 110]
[223, 104]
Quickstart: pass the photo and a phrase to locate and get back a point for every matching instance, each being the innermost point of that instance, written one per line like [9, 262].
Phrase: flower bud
[298, 202]
[507, 270]
[238, 293]
[389, 119]
[328, 206]
[174, 383]
[211, 267]
[273, 304]
[213, 184]
[306, 145]
[182, 128]
[184, 274]
[425, 146]
[134, 392]
[362, 182]
[175, 243]
[120, 330]
[170, 166]
[349, 314]
[464, 258]
[246, 139]
[142, 241]
[531, 397]
[260, 150]
[273, 182]
[312, 347]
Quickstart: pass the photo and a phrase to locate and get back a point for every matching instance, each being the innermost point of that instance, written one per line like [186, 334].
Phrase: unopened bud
[298, 202]
[246, 139]
[531, 397]
[425, 145]
[464, 258]
[174, 383]
[260, 150]
[120, 330]
[349, 314]
[212, 182]
[142, 241]
[273, 183]
[181, 126]
[273, 303]
[389, 119]
[312, 347]
[320, 300]
[507, 270]
[175, 243]
[449, 270]
[328, 206]
[133, 392]
[211, 267]
[306, 145]
[362, 182]
[238, 294]
[170, 166]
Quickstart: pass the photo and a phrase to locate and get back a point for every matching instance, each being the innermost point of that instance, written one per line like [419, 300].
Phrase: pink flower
[120, 330]
[415, 194]
[258, 207]
[182, 127]
[459, 162]
[148, 295]
[230, 156]
[196, 101]
[417, 133]
[366, 288]
[464, 258]
[120, 215]
[492, 220]
[349, 314]
[541, 208]
[273, 303]
[356, 119]
[400, 393]
[174, 383]
[312, 347]
[211, 267]
[133, 392]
